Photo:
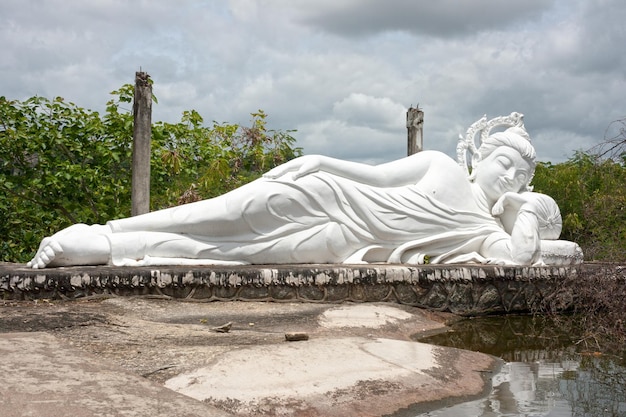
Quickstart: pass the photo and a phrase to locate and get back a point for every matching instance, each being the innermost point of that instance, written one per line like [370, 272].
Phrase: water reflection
[547, 372]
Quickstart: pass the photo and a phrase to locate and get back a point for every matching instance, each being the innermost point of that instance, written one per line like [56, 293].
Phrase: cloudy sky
[341, 72]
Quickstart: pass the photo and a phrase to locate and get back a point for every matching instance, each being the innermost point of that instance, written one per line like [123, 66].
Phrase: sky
[341, 73]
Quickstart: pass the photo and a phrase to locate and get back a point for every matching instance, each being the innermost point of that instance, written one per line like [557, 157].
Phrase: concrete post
[415, 127]
[142, 134]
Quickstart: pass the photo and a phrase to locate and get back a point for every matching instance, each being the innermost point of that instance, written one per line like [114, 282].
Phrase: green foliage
[591, 192]
[61, 164]
[207, 162]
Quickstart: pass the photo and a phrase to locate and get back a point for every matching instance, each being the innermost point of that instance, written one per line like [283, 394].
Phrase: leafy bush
[61, 164]
[591, 192]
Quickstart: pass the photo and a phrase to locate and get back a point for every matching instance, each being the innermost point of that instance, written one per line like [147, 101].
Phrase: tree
[61, 164]
[614, 144]
[201, 162]
[591, 193]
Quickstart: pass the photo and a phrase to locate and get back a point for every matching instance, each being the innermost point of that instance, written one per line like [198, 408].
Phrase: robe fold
[319, 218]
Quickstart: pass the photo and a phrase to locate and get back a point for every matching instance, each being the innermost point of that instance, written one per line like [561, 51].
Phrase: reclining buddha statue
[426, 207]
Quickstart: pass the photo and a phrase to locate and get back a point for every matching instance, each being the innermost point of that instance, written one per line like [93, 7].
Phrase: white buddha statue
[316, 209]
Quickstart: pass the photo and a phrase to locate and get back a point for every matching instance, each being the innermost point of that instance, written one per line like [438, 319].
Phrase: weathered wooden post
[142, 134]
[415, 130]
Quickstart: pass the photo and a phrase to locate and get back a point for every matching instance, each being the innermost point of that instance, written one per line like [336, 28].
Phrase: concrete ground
[132, 356]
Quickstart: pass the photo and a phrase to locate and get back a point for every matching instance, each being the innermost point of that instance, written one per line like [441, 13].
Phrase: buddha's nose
[507, 180]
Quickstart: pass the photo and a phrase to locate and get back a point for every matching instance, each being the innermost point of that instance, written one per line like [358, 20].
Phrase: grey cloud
[558, 62]
[353, 142]
[364, 110]
[441, 18]
[600, 26]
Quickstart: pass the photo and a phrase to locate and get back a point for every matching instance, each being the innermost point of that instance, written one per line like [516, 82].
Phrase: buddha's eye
[504, 161]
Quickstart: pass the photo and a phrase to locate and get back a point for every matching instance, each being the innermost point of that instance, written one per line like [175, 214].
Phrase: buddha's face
[503, 170]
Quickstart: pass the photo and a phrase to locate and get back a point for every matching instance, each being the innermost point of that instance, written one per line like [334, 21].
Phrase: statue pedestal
[460, 289]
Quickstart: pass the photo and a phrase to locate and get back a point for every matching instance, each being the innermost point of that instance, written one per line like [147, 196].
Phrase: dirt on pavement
[160, 338]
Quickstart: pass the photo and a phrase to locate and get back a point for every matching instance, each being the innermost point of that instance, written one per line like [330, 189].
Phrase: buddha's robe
[319, 218]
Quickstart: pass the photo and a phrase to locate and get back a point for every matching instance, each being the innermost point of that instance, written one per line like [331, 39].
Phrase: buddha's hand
[530, 201]
[300, 167]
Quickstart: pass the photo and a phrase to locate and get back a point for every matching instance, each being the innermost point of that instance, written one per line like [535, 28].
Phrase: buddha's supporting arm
[522, 247]
[525, 240]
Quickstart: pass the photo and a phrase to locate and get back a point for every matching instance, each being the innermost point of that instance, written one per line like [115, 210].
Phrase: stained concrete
[461, 289]
[42, 376]
[138, 356]
[87, 341]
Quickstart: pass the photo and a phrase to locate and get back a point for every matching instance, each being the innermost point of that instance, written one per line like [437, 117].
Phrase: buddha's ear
[476, 158]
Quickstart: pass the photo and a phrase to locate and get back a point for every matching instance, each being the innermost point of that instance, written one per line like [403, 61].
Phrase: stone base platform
[460, 289]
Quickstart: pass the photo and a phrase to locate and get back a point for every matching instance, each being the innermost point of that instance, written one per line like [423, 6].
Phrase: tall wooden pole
[415, 130]
[142, 134]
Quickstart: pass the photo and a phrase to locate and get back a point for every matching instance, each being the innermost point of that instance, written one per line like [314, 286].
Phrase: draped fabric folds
[319, 218]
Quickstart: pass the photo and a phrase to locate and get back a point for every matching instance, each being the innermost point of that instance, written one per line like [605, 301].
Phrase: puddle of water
[545, 372]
